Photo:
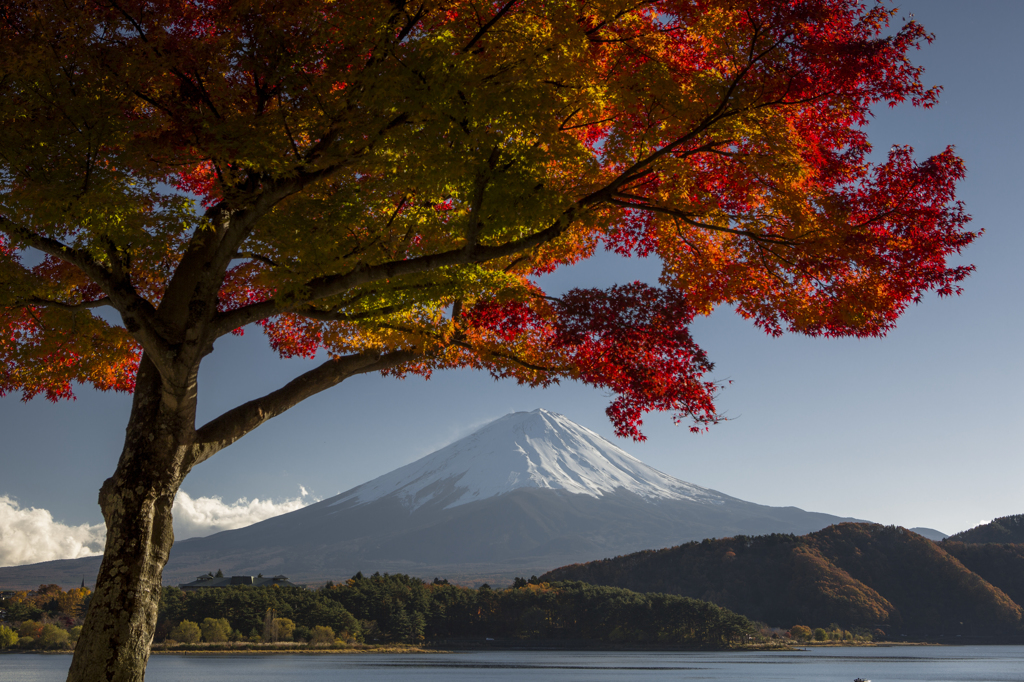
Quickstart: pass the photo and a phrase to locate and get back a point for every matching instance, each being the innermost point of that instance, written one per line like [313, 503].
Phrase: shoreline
[448, 649]
[314, 652]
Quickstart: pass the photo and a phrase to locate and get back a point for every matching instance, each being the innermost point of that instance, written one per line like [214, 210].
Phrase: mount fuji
[526, 493]
[538, 449]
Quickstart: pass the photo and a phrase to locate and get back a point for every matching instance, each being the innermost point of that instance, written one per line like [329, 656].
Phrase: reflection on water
[879, 664]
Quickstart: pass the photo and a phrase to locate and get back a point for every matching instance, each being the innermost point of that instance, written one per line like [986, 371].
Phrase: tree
[270, 627]
[800, 632]
[215, 629]
[70, 603]
[53, 637]
[380, 184]
[23, 609]
[73, 634]
[8, 637]
[30, 628]
[186, 631]
[285, 628]
[321, 635]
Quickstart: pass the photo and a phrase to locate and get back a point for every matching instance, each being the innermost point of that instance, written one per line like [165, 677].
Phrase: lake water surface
[879, 664]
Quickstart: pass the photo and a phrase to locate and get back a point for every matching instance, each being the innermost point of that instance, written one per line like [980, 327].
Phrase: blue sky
[922, 428]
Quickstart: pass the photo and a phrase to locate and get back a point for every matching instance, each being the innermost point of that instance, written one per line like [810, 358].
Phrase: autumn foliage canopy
[392, 179]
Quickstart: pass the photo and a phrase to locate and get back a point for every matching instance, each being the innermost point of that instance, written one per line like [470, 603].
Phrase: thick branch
[138, 314]
[235, 423]
[209, 254]
[57, 249]
[325, 287]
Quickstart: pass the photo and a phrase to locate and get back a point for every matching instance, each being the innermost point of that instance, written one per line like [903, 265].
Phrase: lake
[879, 664]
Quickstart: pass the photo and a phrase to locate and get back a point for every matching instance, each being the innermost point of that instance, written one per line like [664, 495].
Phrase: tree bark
[136, 503]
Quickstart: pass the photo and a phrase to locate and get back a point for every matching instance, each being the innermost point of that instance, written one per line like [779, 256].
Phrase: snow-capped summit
[526, 493]
[538, 449]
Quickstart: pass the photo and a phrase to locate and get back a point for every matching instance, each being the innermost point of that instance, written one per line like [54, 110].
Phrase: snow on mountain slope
[538, 449]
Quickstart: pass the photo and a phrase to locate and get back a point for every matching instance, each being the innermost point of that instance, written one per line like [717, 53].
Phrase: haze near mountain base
[524, 494]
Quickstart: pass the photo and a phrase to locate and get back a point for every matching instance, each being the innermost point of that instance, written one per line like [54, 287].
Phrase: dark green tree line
[399, 608]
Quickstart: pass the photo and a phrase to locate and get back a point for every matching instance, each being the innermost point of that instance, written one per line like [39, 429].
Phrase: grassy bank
[288, 648]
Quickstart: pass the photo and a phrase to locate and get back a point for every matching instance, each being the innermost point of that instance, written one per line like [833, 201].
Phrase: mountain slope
[856, 575]
[1000, 564]
[1006, 529]
[522, 495]
[538, 449]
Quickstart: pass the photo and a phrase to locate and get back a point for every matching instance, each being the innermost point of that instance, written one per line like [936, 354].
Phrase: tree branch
[325, 287]
[330, 316]
[138, 314]
[504, 356]
[720, 113]
[487, 27]
[462, 343]
[480, 187]
[209, 254]
[685, 217]
[84, 305]
[221, 432]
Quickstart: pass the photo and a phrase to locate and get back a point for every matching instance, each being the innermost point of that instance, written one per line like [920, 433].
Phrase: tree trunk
[136, 503]
[119, 626]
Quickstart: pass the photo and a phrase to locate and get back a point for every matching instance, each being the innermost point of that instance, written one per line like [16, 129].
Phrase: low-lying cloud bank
[29, 535]
[196, 517]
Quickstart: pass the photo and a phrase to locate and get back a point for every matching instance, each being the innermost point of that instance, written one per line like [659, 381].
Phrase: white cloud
[29, 535]
[206, 515]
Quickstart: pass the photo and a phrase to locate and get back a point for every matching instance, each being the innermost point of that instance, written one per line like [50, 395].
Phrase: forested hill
[857, 575]
[995, 551]
[1005, 530]
[398, 608]
[999, 564]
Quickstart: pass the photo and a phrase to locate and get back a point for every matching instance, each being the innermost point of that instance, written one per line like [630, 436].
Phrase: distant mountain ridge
[520, 496]
[854, 574]
[930, 533]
